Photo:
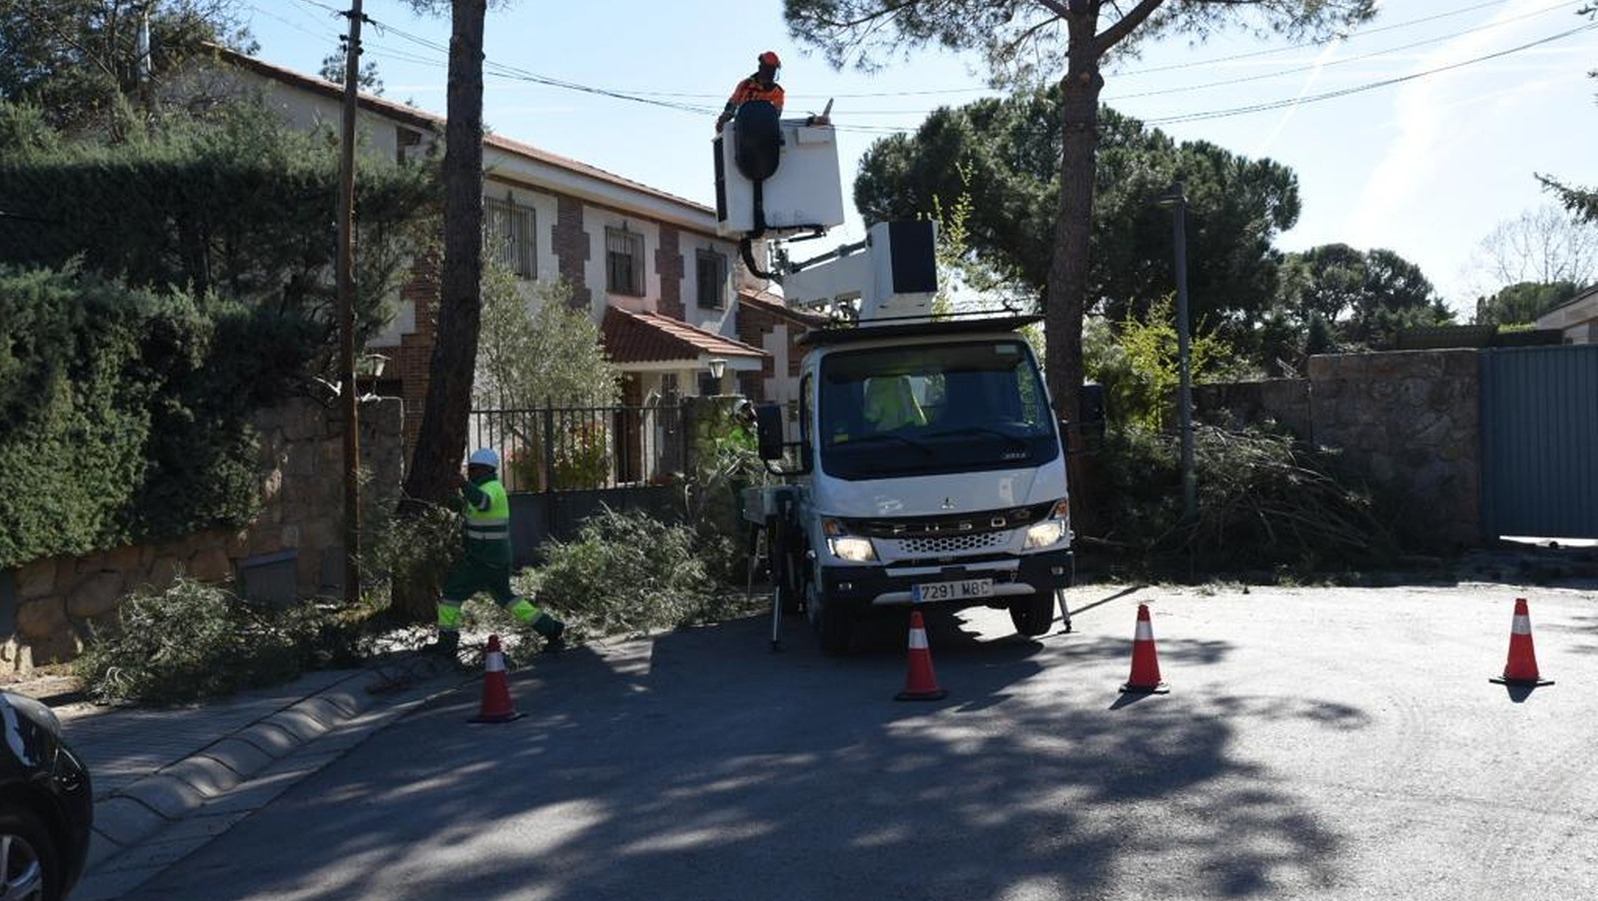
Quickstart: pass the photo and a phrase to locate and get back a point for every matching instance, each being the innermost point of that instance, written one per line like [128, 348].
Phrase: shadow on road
[700, 764]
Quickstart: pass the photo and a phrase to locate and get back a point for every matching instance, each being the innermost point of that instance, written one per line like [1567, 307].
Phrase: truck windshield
[933, 408]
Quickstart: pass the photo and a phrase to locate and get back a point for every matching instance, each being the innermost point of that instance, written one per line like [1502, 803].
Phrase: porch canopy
[638, 342]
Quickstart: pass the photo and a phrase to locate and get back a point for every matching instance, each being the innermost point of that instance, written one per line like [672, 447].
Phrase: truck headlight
[855, 550]
[1050, 531]
[845, 546]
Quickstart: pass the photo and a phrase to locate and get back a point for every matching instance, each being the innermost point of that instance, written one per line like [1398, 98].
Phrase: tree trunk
[441, 441]
[1066, 300]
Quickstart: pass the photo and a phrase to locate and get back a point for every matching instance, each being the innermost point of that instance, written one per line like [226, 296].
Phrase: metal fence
[584, 448]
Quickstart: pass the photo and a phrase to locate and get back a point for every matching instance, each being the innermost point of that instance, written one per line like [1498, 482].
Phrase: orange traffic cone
[497, 706]
[1145, 678]
[921, 684]
[1521, 670]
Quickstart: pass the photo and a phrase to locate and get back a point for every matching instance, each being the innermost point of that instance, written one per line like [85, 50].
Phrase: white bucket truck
[922, 460]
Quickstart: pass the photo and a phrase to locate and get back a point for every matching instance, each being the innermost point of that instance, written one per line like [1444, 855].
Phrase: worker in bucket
[760, 86]
[486, 565]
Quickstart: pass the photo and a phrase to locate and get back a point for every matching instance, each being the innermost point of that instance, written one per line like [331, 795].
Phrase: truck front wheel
[1032, 615]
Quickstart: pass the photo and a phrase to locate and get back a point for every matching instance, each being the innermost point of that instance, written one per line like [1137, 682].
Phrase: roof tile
[653, 338]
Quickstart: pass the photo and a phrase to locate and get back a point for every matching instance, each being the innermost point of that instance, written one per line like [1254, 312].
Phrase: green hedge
[239, 206]
[126, 388]
[124, 414]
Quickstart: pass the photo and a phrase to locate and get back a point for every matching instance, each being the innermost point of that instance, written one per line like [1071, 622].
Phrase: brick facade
[669, 265]
[572, 249]
[413, 361]
[759, 322]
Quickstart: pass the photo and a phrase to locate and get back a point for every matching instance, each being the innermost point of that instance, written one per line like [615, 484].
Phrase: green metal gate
[1539, 441]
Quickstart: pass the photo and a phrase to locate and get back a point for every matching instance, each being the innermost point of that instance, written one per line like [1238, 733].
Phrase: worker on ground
[486, 565]
[760, 86]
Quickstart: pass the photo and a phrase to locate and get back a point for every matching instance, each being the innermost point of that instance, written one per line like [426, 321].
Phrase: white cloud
[1433, 111]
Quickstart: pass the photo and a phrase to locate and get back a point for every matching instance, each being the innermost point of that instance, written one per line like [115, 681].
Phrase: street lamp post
[1176, 201]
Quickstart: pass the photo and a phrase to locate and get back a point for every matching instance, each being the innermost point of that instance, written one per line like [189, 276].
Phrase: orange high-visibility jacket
[751, 89]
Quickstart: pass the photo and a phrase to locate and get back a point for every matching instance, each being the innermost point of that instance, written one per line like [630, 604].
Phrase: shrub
[194, 641]
[725, 463]
[626, 572]
[130, 410]
[415, 550]
[582, 456]
[1136, 361]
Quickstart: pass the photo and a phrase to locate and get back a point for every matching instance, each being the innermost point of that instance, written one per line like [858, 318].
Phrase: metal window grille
[576, 448]
[624, 262]
[508, 236]
[712, 279]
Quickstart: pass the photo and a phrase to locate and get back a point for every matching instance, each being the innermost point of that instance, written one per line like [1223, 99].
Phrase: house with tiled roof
[647, 265]
[766, 321]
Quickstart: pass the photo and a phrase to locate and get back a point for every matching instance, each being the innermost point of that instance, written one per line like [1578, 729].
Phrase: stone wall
[297, 541]
[1409, 420]
[1234, 404]
[1412, 421]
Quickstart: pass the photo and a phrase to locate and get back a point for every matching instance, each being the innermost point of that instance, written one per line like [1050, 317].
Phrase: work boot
[445, 645]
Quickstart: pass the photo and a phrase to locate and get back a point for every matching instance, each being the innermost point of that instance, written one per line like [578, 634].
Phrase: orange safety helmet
[769, 58]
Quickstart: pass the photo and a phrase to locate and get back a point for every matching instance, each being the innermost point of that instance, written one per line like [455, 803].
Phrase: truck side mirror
[1085, 435]
[1091, 404]
[769, 431]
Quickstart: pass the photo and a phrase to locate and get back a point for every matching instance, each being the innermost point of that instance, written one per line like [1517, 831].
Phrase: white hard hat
[484, 456]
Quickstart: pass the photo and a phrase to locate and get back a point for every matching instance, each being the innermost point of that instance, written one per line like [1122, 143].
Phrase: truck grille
[953, 527]
[953, 544]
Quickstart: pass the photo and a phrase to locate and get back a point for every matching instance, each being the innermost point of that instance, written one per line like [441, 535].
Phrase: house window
[508, 236]
[624, 262]
[407, 145]
[711, 268]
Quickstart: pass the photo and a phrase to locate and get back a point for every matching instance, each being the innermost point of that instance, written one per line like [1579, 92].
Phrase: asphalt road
[1316, 743]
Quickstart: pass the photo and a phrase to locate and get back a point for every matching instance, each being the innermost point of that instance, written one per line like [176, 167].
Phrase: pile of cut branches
[1264, 502]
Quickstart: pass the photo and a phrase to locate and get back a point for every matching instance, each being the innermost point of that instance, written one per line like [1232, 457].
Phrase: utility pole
[1176, 201]
[346, 305]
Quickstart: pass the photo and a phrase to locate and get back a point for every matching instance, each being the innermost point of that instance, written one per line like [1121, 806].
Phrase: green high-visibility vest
[487, 526]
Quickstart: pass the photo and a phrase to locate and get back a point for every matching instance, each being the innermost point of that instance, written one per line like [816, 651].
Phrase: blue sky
[1427, 164]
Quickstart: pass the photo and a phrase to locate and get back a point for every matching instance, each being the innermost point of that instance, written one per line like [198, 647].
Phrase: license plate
[932, 592]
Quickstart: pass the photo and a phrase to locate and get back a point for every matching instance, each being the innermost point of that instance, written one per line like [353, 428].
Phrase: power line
[1321, 42]
[514, 73]
[508, 72]
[649, 97]
[1337, 62]
[330, 36]
[1358, 89]
[1289, 102]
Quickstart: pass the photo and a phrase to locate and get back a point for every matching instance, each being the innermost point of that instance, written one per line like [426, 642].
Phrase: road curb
[140, 811]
